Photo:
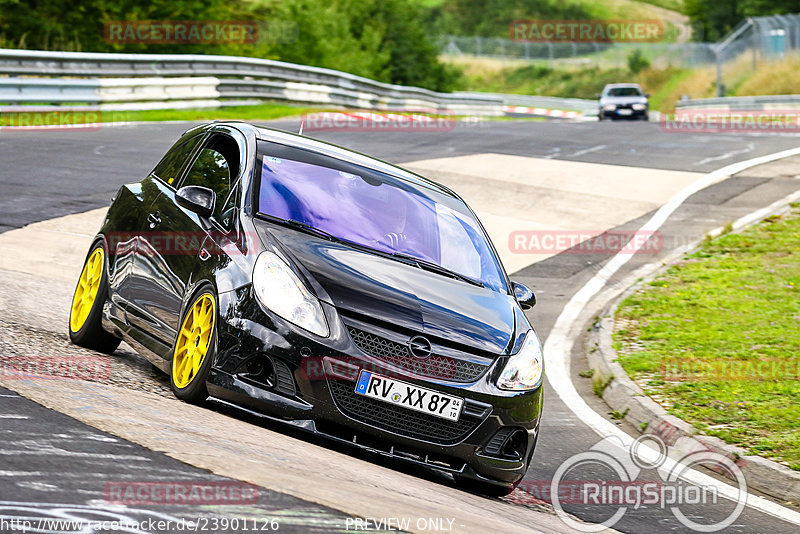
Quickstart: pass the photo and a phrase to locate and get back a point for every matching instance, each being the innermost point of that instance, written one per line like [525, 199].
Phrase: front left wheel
[85, 314]
[194, 348]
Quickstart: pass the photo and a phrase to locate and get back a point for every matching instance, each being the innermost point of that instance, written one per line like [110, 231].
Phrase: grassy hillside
[673, 5]
[665, 85]
[628, 9]
[491, 18]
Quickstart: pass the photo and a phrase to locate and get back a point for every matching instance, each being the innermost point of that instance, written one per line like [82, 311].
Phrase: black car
[312, 284]
[623, 101]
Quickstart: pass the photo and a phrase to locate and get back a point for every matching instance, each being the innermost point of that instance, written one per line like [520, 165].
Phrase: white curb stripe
[543, 111]
[558, 347]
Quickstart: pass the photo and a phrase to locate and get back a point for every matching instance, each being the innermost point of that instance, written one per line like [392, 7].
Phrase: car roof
[263, 133]
[613, 85]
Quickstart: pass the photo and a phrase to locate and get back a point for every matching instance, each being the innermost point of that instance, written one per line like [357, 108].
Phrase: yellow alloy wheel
[86, 292]
[193, 341]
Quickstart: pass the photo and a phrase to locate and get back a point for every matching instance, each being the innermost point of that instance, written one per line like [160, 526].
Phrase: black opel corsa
[312, 284]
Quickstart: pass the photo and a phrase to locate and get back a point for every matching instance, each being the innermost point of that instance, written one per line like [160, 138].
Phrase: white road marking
[750, 148]
[13, 416]
[587, 151]
[559, 344]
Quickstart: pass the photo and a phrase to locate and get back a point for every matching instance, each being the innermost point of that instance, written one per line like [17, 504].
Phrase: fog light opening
[515, 445]
[259, 370]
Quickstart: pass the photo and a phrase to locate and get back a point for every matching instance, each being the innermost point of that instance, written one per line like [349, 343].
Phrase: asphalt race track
[49, 174]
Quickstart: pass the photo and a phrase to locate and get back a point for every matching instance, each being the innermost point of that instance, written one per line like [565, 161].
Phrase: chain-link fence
[607, 55]
[754, 41]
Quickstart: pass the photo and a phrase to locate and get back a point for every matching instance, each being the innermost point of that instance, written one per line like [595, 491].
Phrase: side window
[217, 168]
[171, 164]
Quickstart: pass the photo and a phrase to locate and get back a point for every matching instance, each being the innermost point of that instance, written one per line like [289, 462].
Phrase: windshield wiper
[300, 226]
[436, 268]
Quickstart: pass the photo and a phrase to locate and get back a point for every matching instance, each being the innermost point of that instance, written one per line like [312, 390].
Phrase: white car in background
[623, 101]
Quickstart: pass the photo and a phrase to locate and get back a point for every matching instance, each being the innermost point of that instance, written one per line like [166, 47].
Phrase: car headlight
[639, 107]
[609, 107]
[524, 369]
[279, 289]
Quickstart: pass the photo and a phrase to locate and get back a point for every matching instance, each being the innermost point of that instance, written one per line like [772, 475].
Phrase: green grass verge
[716, 338]
[260, 112]
[257, 113]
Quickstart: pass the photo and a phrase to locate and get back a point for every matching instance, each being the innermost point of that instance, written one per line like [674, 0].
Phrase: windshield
[624, 91]
[380, 212]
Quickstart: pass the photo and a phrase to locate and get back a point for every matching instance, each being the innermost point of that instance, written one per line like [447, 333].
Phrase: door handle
[154, 219]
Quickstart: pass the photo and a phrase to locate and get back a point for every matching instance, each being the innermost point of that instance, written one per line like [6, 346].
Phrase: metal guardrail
[547, 102]
[237, 77]
[742, 103]
[99, 90]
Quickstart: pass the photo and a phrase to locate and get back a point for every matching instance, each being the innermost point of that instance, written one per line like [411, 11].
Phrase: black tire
[195, 391]
[486, 488]
[91, 334]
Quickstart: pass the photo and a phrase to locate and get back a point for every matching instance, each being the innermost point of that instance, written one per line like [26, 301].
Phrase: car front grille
[434, 366]
[401, 421]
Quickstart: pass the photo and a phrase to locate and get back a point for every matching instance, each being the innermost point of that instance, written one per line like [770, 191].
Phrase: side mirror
[647, 95]
[524, 295]
[197, 199]
[598, 95]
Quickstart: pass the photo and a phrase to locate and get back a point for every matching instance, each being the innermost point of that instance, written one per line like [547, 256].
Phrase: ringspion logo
[608, 477]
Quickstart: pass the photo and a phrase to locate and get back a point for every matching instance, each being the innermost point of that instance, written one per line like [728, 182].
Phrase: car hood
[617, 100]
[399, 294]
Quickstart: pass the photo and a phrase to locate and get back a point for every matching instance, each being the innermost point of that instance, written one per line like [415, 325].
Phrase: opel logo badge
[419, 347]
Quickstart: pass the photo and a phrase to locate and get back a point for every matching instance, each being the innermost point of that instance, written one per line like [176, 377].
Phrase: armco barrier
[742, 103]
[586, 107]
[70, 77]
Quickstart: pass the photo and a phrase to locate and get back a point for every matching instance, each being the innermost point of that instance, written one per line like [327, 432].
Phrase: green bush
[637, 62]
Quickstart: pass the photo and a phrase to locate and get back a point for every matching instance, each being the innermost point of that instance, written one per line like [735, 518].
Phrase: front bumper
[625, 112]
[312, 386]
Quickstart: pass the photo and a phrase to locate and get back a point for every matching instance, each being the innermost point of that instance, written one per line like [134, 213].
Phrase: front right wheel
[194, 348]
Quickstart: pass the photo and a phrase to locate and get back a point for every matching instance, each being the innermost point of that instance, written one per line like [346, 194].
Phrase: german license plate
[409, 396]
[625, 111]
